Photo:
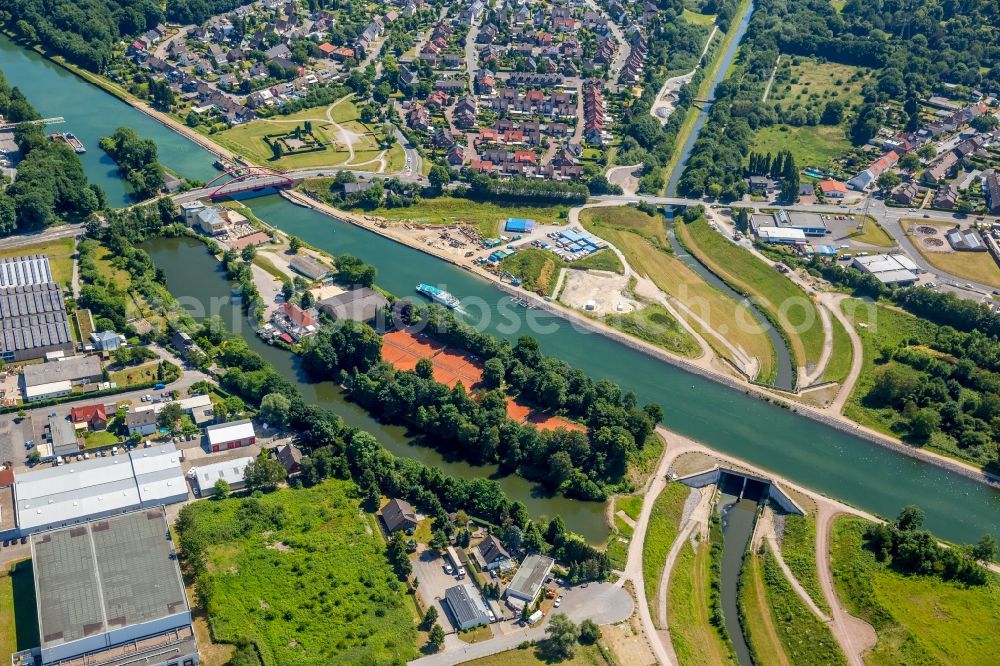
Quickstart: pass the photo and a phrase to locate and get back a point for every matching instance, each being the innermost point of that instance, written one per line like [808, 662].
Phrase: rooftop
[466, 605]
[106, 575]
[25, 271]
[530, 575]
[230, 471]
[71, 369]
[229, 432]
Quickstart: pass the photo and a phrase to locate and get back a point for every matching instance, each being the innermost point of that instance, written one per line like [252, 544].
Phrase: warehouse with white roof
[84, 490]
[890, 269]
[230, 471]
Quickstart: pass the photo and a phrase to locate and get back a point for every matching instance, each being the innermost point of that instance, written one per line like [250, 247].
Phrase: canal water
[91, 113]
[738, 518]
[807, 452]
[195, 276]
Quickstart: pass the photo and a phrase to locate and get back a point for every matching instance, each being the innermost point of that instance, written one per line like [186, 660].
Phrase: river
[807, 452]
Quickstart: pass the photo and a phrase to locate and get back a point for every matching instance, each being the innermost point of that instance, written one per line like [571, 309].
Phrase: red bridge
[244, 179]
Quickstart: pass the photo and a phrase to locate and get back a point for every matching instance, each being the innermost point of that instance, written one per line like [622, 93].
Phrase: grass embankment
[780, 298]
[842, 354]
[664, 523]
[583, 655]
[487, 217]
[919, 619]
[698, 19]
[537, 269]
[602, 260]
[802, 637]
[642, 239]
[872, 233]
[977, 266]
[696, 640]
[281, 580]
[656, 325]
[60, 253]
[18, 609]
[755, 616]
[798, 550]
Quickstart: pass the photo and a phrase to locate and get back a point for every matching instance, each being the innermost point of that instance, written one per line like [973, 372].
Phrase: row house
[437, 100]
[485, 82]
[419, 118]
[465, 112]
[606, 51]
[594, 115]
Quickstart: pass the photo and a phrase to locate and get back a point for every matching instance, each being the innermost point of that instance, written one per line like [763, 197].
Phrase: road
[622, 53]
[471, 56]
[50, 234]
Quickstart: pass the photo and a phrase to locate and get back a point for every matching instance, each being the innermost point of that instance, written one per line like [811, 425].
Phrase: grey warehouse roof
[465, 604]
[105, 575]
[70, 369]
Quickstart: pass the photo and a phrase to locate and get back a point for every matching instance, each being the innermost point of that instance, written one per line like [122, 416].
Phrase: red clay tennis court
[402, 350]
[522, 413]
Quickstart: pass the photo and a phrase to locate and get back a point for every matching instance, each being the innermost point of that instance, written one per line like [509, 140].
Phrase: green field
[755, 616]
[602, 260]
[486, 217]
[798, 550]
[842, 355]
[919, 619]
[695, 641]
[883, 328]
[60, 253]
[977, 266]
[698, 19]
[812, 145]
[804, 638]
[664, 523]
[807, 82]
[277, 573]
[537, 269]
[630, 504]
[642, 239]
[18, 610]
[94, 439]
[657, 326]
[781, 298]
[248, 139]
[873, 234]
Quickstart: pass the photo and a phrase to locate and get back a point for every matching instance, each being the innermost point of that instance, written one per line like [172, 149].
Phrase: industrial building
[779, 236]
[965, 240]
[33, 322]
[62, 435]
[466, 606]
[57, 377]
[890, 269]
[110, 592]
[55, 497]
[528, 581]
[234, 435]
[810, 224]
[230, 471]
[361, 305]
[25, 271]
[519, 225]
[309, 267]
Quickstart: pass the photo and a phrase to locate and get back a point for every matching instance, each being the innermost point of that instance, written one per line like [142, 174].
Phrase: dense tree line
[576, 463]
[85, 32]
[524, 190]
[50, 184]
[137, 161]
[907, 548]
[198, 11]
[915, 47]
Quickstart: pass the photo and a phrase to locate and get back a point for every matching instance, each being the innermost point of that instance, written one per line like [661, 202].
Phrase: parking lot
[428, 568]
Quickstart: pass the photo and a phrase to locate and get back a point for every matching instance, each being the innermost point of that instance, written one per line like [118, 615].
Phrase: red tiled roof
[87, 413]
[297, 315]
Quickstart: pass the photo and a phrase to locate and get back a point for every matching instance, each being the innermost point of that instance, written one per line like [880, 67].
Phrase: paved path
[765, 527]
[663, 108]
[50, 234]
[770, 80]
[624, 176]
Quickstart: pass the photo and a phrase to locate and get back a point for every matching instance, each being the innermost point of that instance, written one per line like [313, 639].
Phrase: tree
[170, 416]
[439, 176]
[925, 424]
[436, 638]
[910, 518]
[430, 617]
[493, 373]
[248, 253]
[294, 244]
[589, 632]
[274, 409]
[833, 112]
[984, 550]
[909, 162]
[560, 637]
[264, 473]
[888, 180]
[220, 490]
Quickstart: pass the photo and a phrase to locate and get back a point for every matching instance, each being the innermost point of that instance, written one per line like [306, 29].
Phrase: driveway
[428, 568]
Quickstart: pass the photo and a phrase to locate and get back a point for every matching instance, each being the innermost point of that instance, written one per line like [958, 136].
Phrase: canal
[195, 276]
[90, 114]
[814, 455]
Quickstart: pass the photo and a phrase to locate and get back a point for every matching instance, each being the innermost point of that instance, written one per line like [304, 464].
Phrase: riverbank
[585, 324]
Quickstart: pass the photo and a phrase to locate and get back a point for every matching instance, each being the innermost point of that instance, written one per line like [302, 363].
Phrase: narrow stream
[738, 518]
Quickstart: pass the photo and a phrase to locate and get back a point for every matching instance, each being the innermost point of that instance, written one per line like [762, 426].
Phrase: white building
[230, 471]
[158, 476]
[890, 269]
[234, 435]
[781, 235]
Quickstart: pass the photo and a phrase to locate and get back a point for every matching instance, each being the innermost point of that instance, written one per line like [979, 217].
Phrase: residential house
[142, 422]
[945, 197]
[490, 554]
[290, 458]
[62, 435]
[93, 417]
[832, 189]
[991, 188]
[296, 322]
[905, 194]
[399, 515]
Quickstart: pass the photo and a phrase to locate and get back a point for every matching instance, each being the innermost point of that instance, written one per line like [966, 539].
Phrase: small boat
[70, 140]
[438, 295]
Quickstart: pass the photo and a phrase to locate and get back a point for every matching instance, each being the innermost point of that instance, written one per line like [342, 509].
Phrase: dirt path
[698, 520]
[768, 535]
[663, 108]
[854, 635]
[824, 357]
[833, 302]
[770, 80]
